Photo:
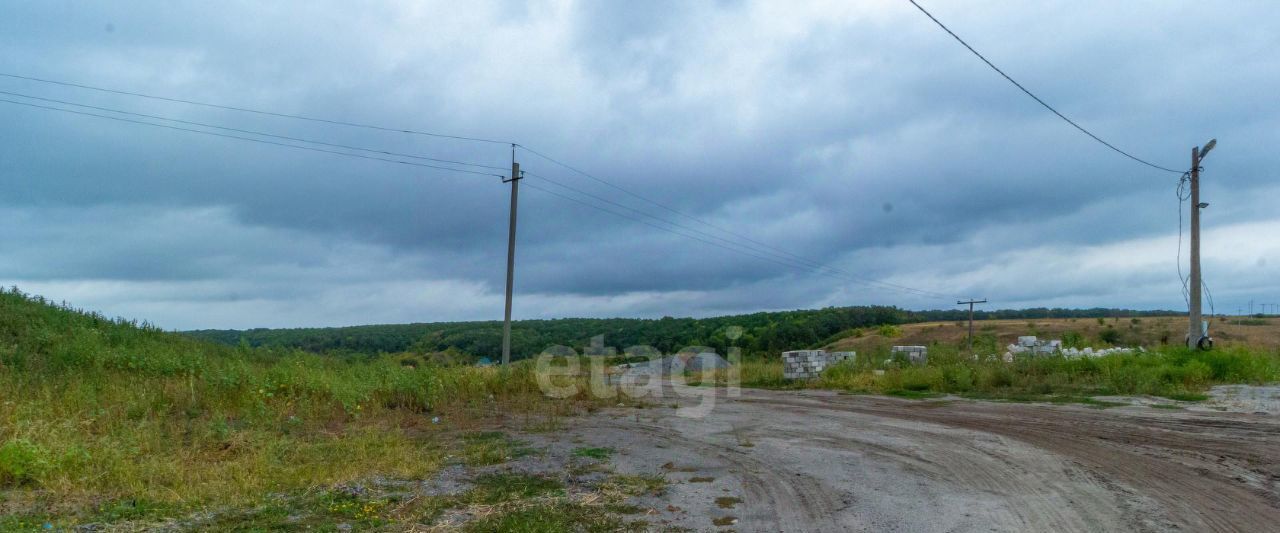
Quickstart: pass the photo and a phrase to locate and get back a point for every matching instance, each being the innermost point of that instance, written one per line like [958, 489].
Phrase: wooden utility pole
[511, 256]
[971, 302]
[1196, 331]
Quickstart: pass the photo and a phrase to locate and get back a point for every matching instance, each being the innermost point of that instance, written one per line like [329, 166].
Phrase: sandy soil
[821, 461]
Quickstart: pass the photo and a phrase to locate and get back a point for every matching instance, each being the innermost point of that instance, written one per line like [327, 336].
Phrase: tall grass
[97, 410]
[1170, 372]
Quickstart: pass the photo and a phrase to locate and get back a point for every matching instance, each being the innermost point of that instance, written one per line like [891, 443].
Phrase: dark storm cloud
[855, 135]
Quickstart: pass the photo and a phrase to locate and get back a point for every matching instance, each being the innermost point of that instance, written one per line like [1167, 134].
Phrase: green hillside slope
[109, 420]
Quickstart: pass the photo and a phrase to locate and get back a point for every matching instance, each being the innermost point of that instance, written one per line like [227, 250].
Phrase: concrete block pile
[809, 364]
[1030, 345]
[918, 355]
[1074, 353]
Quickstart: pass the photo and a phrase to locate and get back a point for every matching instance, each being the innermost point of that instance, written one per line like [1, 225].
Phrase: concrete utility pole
[1196, 336]
[511, 255]
[971, 302]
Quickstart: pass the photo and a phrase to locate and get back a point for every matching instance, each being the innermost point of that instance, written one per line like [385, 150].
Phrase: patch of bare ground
[829, 462]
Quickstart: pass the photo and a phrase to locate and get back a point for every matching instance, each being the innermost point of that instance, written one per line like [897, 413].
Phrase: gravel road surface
[822, 461]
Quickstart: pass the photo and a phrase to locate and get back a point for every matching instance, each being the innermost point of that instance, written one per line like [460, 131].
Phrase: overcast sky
[849, 133]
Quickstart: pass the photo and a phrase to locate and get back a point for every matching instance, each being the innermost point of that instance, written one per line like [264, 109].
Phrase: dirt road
[820, 461]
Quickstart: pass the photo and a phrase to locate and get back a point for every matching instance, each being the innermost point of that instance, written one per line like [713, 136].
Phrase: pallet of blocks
[809, 364]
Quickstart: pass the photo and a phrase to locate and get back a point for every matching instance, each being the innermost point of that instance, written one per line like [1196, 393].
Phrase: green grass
[600, 454]
[119, 421]
[1187, 396]
[491, 448]
[554, 517]
[505, 487]
[912, 394]
[1174, 373]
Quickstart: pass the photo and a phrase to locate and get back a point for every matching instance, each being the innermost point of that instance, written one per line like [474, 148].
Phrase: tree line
[761, 333]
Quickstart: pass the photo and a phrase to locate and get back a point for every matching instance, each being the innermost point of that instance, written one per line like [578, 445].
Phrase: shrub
[889, 330]
[995, 377]
[1072, 339]
[21, 462]
[958, 378]
[1109, 335]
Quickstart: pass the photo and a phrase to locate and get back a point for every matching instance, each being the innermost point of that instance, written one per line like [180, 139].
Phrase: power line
[674, 232]
[790, 257]
[250, 110]
[793, 257]
[1183, 195]
[1037, 98]
[252, 132]
[776, 258]
[729, 245]
[250, 139]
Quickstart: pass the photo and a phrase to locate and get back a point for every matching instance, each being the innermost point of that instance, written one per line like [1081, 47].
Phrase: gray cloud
[795, 123]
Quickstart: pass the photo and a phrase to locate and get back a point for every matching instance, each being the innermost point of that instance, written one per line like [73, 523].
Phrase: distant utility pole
[1196, 334]
[971, 302]
[511, 255]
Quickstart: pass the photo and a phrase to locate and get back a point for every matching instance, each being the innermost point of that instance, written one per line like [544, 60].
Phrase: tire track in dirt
[1190, 463]
[832, 469]
[774, 499]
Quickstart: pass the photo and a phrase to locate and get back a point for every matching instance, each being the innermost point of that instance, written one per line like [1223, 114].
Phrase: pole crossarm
[970, 303]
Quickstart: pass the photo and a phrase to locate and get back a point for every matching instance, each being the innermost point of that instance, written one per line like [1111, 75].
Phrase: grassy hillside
[763, 333]
[108, 420]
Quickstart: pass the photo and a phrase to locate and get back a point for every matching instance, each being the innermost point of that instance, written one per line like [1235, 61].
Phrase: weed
[157, 424]
[635, 484]
[594, 453]
[491, 448]
[1187, 396]
[552, 517]
[21, 462]
[727, 502]
[504, 487]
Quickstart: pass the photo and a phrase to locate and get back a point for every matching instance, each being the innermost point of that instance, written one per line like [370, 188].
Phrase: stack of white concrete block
[917, 355]
[1073, 353]
[834, 358]
[1029, 344]
[809, 364]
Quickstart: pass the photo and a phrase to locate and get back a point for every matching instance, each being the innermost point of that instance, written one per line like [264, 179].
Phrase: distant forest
[762, 333]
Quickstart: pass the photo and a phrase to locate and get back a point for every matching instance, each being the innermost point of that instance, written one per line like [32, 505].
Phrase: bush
[958, 378]
[21, 462]
[995, 377]
[1109, 335]
[1072, 339]
[889, 330]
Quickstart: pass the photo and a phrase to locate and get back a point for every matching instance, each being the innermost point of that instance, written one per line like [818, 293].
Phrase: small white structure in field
[918, 355]
[809, 364]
